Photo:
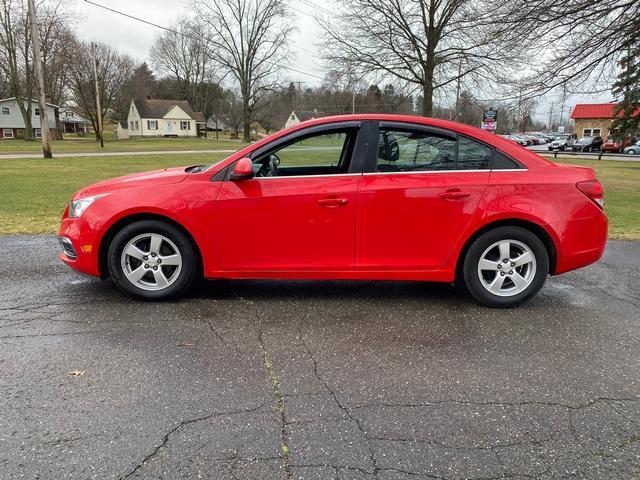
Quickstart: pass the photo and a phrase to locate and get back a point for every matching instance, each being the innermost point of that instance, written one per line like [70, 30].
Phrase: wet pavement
[317, 380]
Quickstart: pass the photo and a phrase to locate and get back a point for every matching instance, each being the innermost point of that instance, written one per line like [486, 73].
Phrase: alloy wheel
[507, 268]
[151, 261]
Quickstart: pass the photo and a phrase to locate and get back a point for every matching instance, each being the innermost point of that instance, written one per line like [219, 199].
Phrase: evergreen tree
[627, 87]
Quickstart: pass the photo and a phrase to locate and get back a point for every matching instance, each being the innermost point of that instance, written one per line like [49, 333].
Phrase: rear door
[420, 188]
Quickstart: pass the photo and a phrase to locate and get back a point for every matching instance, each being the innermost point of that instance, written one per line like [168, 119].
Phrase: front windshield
[585, 140]
[562, 137]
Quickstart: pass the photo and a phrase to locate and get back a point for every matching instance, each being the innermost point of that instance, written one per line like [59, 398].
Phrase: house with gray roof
[12, 122]
[163, 118]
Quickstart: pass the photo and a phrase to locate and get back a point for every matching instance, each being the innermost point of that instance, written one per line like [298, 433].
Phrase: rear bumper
[582, 242]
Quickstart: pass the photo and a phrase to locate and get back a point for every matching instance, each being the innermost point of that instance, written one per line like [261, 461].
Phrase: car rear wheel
[152, 260]
[505, 266]
[631, 152]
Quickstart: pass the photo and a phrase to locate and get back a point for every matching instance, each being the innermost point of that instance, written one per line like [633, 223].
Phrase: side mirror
[242, 170]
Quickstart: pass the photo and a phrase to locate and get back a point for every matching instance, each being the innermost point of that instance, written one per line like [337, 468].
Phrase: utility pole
[98, 108]
[42, 98]
[551, 118]
[353, 101]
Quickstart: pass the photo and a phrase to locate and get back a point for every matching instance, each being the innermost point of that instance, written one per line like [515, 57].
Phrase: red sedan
[611, 146]
[351, 197]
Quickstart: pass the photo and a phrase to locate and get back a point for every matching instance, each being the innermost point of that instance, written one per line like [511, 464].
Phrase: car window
[413, 150]
[472, 155]
[502, 162]
[317, 154]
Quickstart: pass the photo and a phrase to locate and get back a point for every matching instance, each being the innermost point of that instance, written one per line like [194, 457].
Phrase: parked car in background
[587, 144]
[563, 142]
[432, 201]
[612, 146]
[633, 149]
[522, 138]
[515, 139]
[542, 138]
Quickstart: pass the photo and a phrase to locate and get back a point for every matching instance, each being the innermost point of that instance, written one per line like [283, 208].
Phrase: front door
[414, 204]
[298, 212]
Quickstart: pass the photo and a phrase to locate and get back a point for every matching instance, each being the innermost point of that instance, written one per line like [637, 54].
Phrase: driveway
[317, 380]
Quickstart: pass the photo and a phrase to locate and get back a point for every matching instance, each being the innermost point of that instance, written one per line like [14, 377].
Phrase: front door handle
[454, 194]
[333, 202]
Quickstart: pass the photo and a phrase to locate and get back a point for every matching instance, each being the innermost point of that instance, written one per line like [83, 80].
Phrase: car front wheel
[505, 266]
[631, 152]
[152, 260]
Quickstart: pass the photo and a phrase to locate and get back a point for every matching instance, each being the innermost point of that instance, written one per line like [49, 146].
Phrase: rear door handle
[333, 202]
[454, 194]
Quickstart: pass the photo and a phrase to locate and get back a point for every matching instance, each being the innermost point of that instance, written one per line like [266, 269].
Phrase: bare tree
[113, 71]
[249, 39]
[182, 53]
[583, 41]
[16, 53]
[15, 57]
[430, 44]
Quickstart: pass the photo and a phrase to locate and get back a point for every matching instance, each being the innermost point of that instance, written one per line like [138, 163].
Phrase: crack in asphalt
[340, 405]
[275, 385]
[184, 423]
[429, 403]
[29, 335]
[215, 333]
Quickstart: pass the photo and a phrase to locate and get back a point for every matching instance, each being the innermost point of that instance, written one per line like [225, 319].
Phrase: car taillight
[593, 190]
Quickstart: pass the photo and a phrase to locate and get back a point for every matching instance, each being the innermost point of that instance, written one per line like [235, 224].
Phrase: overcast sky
[136, 38]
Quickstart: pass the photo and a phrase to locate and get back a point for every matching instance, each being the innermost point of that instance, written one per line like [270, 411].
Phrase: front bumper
[77, 238]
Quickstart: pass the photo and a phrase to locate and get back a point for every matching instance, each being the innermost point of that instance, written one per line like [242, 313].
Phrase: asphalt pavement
[317, 380]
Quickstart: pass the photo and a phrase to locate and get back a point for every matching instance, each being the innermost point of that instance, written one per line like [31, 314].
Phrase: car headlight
[77, 207]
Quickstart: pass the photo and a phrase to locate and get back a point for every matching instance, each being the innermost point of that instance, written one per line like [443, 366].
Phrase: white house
[168, 118]
[297, 117]
[122, 130]
[217, 122]
[72, 122]
[12, 123]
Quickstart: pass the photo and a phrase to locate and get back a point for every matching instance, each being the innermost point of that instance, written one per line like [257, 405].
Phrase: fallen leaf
[185, 344]
[77, 373]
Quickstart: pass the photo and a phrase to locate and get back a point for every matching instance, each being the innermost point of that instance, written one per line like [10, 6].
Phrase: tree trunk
[427, 97]
[246, 122]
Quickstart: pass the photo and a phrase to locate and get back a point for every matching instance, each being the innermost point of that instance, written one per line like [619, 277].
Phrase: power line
[315, 5]
[162, 27]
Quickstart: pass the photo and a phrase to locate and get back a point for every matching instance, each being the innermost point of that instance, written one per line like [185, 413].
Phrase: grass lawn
[88, 144]
[34, 192]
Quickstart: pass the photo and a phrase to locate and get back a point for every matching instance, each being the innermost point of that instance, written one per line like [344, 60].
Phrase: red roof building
[594, 119]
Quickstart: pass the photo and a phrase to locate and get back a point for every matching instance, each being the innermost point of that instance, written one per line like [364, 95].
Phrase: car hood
[165, 176]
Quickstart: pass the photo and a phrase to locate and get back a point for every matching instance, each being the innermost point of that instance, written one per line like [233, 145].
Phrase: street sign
[488, 125]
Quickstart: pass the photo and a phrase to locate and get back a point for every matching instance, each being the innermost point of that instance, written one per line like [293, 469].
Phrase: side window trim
[362, 140]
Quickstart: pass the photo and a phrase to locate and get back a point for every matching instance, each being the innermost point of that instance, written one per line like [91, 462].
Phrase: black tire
[472, 258]
[631, 152]
[184, 278]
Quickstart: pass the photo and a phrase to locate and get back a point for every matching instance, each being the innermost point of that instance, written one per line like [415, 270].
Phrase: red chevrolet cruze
[351, 197]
